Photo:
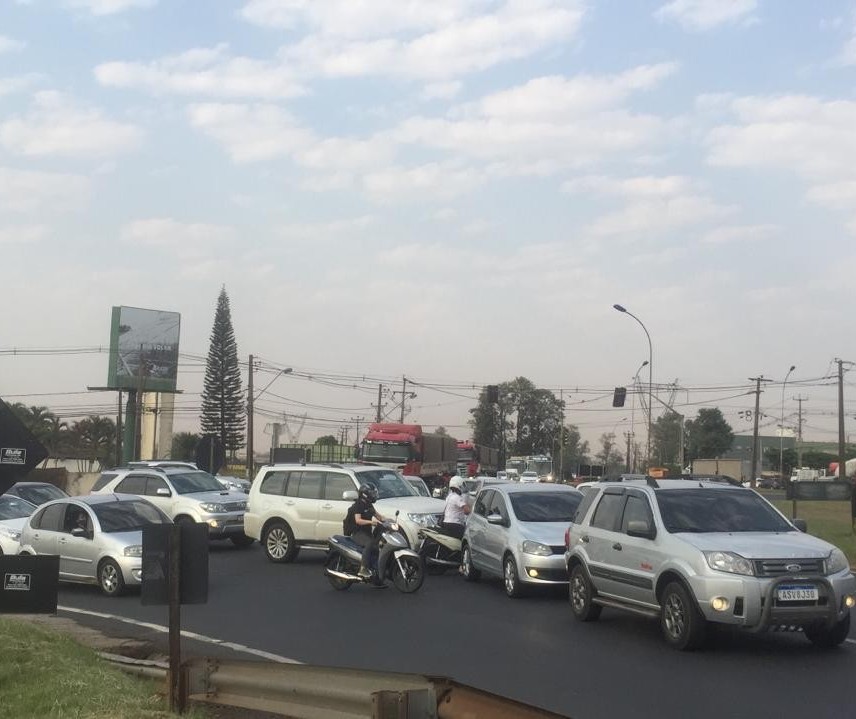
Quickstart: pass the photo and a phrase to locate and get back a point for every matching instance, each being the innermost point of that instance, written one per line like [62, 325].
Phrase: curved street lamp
[650, 374]
[782, 427]
[632, 467]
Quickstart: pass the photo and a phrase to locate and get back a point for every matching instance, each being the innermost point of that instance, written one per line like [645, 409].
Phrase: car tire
[580, 593]
[510, 579]
[471, 574]
[682, 623]
[278, 542]
[828, 637]
[241, 541]
[110, 578]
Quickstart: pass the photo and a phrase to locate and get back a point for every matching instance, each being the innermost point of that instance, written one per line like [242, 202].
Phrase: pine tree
[223, 412]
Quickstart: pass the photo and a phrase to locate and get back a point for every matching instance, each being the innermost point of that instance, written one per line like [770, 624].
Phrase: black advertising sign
[193, 563]
[833, 490]
[13, 455]
[20, 451]
[29, 584]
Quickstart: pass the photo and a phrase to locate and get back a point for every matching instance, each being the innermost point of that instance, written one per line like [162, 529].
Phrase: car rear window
[545, 506]
[103, 480]
[718, 510]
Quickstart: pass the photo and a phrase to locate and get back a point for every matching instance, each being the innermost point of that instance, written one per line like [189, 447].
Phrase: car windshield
[718, 510]
[545, 506]
[420, 487]
[40, 493]
[198, 481]
[14, 507]
[388, 482]
[471, 486]
[128, 515]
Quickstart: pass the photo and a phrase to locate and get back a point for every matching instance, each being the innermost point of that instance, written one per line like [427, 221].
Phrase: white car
[14, 512]
[293, 506]
[528, 477]
[185, 495]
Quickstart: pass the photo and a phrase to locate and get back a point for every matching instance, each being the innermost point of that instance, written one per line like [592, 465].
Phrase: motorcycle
[439, 551]
[395, 561]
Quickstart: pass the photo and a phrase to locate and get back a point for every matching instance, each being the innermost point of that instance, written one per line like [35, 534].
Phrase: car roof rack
[651, 482]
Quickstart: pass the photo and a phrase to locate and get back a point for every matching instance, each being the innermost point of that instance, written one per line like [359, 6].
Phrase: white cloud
[838, 195]
[847, 56]
[19, 83]
[657, 216]
[29, 191]
[188, 241]
[636, 187]
[441, 90]
[447, 180]
[8, 44]
[57, 126]
[109, 7]
[204, 71]
[322, 231]
[740, 233]
[701, 15]
[22, 234]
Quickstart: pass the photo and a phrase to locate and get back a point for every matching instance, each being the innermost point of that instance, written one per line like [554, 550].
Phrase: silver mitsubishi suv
[695, 553]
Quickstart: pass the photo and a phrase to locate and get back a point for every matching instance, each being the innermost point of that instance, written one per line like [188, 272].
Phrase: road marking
[187, 635]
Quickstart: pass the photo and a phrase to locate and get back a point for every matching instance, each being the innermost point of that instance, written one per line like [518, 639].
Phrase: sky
[453, 191]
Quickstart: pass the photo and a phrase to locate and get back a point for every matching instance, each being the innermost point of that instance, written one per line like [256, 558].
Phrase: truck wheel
[581, 593]
[680, 619]
[828, 637]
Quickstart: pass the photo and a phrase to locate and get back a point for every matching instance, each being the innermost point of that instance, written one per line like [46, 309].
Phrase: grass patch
[828, 520]
[48, 675]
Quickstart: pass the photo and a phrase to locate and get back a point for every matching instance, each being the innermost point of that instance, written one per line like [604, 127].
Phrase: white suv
[184, 494]
[294, 506]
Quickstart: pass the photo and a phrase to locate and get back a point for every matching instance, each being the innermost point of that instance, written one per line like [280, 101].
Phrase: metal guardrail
[307, 692]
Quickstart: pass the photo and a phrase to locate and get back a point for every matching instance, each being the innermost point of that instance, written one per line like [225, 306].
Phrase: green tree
[666, 439]
[708, 435]
[223, 412]
[609, 456]
[327, 439]
[184, 446]
[441, 430]
[96, 439]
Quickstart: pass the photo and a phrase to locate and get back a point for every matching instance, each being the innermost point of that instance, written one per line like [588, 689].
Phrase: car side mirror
[640, 528]
[349, 495]
[800, 524]
[495, 518]
[163, 492]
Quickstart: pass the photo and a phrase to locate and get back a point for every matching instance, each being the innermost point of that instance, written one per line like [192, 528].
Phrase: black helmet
[368, 493]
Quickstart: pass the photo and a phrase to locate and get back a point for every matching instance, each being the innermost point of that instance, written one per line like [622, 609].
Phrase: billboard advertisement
[143, 349]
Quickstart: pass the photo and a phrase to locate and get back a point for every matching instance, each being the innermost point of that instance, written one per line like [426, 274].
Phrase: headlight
[135, 550]
[530, 547]
[729, 562]
[212, 507]
[836, 562]
[14, 534]
[423, 520]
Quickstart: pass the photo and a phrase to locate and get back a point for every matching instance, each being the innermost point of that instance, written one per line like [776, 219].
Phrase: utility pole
[250, 421]
[757, 381]
[562, 438]
[404, 396]
[800, 399]
[841, 438]
[379, 399]
[627, 435]
[357, 420]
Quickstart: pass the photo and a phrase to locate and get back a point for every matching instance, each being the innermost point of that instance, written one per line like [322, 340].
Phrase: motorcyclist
[359, 522]
[457, 509]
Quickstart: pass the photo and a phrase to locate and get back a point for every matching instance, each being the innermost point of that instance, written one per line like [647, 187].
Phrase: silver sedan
[99, 538]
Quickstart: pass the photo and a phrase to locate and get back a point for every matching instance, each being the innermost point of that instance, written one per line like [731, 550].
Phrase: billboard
[143, 349]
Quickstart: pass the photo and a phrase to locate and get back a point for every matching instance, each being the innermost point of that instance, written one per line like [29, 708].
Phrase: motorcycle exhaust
[342, 575]
[444, 562]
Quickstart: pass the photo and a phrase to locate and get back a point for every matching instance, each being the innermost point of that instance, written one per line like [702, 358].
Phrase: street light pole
[782, 428]
[650, 374]
[633, 414]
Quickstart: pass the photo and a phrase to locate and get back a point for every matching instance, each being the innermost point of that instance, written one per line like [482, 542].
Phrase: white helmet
[456, 482]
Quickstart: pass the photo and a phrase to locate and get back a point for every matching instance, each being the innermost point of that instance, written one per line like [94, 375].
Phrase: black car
[36, 492]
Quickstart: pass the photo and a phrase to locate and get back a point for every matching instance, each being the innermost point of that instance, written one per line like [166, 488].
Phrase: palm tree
[96, 438]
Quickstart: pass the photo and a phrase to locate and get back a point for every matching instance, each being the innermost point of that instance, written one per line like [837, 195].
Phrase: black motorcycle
[395, 560]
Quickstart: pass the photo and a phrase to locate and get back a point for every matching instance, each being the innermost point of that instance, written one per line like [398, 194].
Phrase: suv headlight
[530, 547]
[423, 520]
[212, 507]
[13, 534]
[135, 550]
[836, 562]
[729, 562]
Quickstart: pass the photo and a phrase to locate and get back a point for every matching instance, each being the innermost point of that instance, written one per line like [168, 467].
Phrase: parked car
[14, 513]
[694, 553]
[516, 531]
[528, 477]
[294, 506]
[36, 492]
[419, 485]
[237, 484]
[473, 485]
[185, 495]
[98, 538]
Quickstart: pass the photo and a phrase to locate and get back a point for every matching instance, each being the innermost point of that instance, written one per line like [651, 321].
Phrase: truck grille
[558, 548]
[779, 567]
[235, 506]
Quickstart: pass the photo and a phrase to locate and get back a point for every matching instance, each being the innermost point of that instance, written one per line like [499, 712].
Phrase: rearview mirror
[495, 518]
[640, 528]
[162, 492]
[800, 524]
[349, 494]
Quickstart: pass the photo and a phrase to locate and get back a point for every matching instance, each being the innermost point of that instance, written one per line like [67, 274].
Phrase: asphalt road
[529, 649]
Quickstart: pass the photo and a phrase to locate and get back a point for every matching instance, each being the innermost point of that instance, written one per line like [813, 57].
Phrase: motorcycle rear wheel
[414, 574]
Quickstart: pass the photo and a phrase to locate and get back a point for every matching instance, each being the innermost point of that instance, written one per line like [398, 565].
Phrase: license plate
[797, 593]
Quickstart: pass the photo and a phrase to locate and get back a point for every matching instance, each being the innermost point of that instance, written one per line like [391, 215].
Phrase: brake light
[567, 537]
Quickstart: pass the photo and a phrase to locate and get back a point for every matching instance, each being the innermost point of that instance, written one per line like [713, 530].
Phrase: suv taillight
[567, 537]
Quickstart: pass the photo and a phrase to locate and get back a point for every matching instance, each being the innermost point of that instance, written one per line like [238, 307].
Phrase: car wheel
[828, 637]
[513, 585]
[278, 542]
[241, 541]
[581, 593]
[680, 619]
[471, 574]
[110, 578]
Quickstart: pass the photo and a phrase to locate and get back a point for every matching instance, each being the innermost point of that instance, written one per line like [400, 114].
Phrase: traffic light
[618, 397]
[492, 393]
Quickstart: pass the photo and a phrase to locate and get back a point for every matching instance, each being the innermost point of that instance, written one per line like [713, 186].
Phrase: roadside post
[175, 572]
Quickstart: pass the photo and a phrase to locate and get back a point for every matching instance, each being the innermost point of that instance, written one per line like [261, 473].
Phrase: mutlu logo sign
[16, 582]
[12, 455]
